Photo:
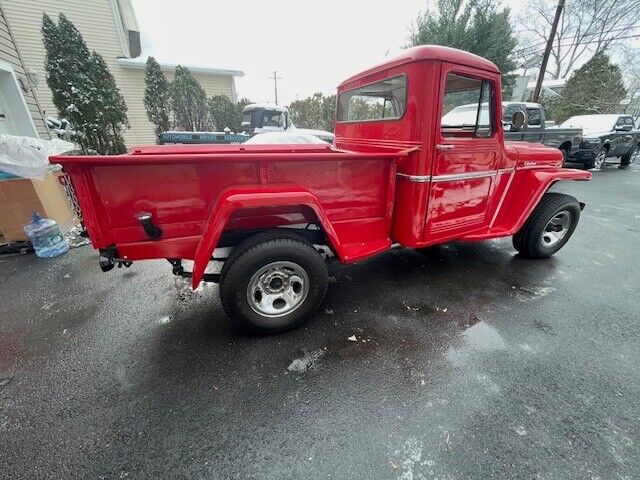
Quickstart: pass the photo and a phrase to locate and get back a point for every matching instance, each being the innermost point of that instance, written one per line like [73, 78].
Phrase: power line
[583, 43]
[535, 46]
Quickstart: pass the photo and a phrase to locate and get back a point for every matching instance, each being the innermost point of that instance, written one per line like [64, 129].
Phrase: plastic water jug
[46, 237]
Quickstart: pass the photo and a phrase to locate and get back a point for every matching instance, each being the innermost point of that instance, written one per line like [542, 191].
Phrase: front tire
[565, 155]
[549, 227]
[273, 282]
[598, 159]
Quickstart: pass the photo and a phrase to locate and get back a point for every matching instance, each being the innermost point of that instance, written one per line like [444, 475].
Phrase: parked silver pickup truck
[534, 129]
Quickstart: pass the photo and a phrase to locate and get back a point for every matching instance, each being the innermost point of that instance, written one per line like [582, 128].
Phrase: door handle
[442, 147]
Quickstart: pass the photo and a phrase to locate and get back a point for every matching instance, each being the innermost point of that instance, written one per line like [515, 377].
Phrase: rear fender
[519, 206]
[236, 198]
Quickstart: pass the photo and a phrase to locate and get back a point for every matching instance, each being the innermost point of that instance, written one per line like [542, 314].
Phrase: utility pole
[547, 50]
[275, 79]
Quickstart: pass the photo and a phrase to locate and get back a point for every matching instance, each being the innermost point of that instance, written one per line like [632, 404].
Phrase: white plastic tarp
[283, 138]
[28, 157]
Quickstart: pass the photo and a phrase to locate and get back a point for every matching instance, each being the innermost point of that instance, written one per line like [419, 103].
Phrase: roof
[549, 83]
[266, 106]
[141, 63]
[526, 104]
[429, 52]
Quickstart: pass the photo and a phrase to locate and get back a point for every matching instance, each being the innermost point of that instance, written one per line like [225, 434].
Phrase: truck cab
[258, 118]
[461, 179]
[263, 118]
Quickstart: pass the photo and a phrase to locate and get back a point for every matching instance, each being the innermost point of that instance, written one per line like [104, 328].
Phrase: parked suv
[605, 136]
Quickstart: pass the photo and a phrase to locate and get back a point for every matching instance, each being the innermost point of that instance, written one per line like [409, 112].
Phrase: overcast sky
[313, 45]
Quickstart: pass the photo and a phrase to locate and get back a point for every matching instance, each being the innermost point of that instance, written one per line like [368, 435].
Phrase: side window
[628, 121]
[620, 122]
[534, 117]
[383, 100]
[467, 106]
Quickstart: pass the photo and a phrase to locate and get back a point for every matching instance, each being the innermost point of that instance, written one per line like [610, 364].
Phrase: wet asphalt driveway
[469, 363]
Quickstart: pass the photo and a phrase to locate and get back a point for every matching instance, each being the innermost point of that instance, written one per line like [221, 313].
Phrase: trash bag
[28, 157]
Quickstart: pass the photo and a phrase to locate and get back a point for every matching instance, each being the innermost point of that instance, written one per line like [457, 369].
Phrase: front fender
[525, 192]
[235, 198]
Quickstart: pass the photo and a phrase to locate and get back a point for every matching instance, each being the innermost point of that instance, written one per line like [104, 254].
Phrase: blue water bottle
[46, 237]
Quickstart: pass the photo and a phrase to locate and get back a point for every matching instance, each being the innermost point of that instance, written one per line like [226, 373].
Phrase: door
[507, 117]
[465, 156]
[6, 125]
[627, 136]
[533, 127]
[617, 138]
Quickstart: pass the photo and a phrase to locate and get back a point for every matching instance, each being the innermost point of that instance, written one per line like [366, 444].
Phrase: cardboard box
[20, 197]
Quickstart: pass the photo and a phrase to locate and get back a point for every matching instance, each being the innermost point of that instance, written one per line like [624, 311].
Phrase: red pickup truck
[394, 176]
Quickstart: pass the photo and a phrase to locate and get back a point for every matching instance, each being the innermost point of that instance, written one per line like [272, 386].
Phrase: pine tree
[83, 90]
[596, 87]
[112, 110]
[224, 113]
[476, 26]
[189, 102]
[157, 96]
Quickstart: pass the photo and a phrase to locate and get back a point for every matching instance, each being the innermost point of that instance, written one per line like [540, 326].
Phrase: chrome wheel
[556, 229]
[599, 160]
[277, 289]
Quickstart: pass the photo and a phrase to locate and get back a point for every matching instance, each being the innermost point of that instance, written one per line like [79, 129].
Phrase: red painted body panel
[479, 188]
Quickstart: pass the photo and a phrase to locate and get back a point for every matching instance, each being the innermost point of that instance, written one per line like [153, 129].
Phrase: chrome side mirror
[517, 121]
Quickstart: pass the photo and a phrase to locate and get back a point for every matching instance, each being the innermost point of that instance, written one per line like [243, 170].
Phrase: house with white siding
[110, 28]
[20, 112]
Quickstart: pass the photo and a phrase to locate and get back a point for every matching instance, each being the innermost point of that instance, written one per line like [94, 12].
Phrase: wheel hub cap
[277, 289]
[556, 229]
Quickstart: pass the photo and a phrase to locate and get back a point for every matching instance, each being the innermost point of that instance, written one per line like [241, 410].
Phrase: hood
[595, 133]
[317, 133]
[534, 154]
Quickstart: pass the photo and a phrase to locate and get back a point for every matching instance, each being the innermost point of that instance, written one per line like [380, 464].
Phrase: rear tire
[273, 282]
[549, 227]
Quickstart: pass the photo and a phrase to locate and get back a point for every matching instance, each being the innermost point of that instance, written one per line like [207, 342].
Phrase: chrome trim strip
[454, 177]
[463, 176]
[415, 178]
[503, 197]
[536, 167]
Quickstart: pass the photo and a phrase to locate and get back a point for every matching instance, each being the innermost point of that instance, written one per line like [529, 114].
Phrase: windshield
[591, 123]
[272, 119]
[246, 121]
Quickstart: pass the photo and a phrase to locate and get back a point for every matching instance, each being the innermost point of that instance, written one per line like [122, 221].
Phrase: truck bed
[181, 186]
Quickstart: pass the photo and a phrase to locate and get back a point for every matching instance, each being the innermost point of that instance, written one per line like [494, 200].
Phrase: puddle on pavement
[480, 337]
[307, 362]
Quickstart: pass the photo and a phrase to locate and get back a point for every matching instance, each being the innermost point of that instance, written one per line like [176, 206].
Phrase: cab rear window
[383, 100]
